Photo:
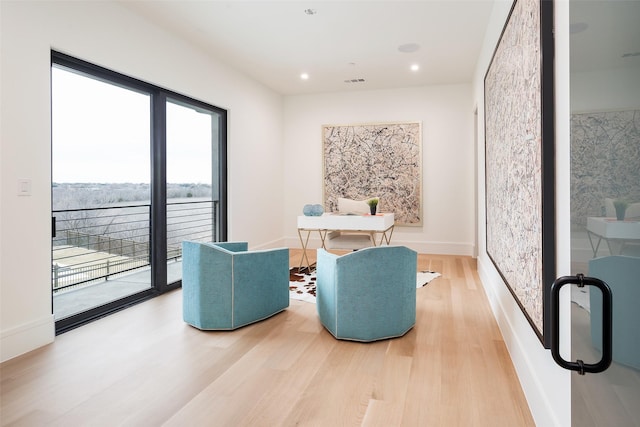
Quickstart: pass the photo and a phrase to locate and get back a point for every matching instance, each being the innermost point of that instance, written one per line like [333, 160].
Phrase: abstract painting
[604, 161]
[375, 160]
[519, 164]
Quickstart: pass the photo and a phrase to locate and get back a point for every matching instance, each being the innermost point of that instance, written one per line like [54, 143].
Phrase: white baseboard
[440, 248]
[546, 386]
[27, 337]
[274, 244]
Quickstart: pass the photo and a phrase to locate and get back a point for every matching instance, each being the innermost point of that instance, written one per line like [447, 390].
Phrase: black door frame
[158, 238]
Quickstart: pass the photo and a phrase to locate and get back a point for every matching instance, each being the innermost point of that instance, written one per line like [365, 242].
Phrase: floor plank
[144, 367]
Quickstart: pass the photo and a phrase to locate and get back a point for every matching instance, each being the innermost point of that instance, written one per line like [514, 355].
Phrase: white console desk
[612, 231]
[381, 223]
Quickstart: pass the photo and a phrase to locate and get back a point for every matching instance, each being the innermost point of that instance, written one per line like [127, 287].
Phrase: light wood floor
[144, 367]
[607, 399]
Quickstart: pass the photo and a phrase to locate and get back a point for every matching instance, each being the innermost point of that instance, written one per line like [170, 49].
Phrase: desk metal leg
[594, 249]
[323, 237]
[304, 256]
[616, 246]
[305, 244]
[384, 238]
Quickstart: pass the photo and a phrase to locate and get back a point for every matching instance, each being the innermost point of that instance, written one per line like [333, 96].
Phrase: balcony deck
[73, 301]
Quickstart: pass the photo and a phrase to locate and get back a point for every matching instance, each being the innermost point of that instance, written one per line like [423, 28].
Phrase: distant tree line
[93, 195]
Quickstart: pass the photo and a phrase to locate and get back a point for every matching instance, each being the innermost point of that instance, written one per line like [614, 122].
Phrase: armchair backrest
[622, 274]
[225, 286]
[368, 294]
[377, 264]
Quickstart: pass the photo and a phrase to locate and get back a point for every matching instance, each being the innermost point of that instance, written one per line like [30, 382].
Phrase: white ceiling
[275, 41]
[605, 34]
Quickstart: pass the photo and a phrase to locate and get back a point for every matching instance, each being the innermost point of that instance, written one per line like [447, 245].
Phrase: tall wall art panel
[519, 159]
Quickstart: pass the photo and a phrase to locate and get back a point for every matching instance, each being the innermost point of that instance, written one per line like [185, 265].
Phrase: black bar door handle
[607, 324]
[53, 226]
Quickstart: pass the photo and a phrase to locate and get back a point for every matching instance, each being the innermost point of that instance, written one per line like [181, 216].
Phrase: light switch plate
[24, 187]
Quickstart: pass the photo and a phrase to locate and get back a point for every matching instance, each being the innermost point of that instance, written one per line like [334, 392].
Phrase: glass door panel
[100, 192]
[605, 159]
[193, 201]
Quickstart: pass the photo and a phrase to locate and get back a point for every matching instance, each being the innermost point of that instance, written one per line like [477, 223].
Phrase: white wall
[108, 34]
[446, 114]
[261, 127]
[613, 89]
[546, 386]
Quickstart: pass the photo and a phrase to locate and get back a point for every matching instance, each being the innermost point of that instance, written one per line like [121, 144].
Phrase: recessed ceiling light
[415, 67]
[304, 76]
[409, 47]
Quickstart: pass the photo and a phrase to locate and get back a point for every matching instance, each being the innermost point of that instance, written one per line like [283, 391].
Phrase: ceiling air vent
[354, 81]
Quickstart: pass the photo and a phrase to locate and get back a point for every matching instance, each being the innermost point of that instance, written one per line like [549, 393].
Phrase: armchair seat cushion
[349, 240]
[349, 206]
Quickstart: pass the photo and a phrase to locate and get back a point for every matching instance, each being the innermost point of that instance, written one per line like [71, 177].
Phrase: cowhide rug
[302, 285]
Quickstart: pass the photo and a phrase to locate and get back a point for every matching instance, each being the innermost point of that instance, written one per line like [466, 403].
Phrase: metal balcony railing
[91, 245]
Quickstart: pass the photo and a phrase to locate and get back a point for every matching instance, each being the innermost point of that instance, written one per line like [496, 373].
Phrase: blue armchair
[621, 274]
[225, 286]
[367, 295]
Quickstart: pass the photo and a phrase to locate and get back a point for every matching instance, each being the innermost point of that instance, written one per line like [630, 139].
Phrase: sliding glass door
[193, 199]
[100, 192]
[135, 171]
[605, 240]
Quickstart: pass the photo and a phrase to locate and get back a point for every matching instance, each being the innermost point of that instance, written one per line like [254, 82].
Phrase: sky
[101, 133]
